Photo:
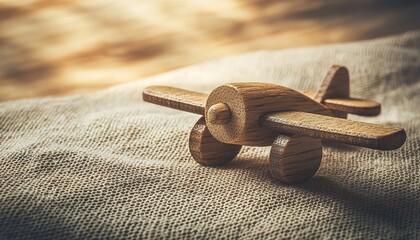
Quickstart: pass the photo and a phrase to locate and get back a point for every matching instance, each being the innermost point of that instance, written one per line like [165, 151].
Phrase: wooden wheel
[295, 159]
[206, 150]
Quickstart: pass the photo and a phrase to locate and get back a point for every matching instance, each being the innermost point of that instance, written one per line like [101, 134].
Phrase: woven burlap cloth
[107, 165]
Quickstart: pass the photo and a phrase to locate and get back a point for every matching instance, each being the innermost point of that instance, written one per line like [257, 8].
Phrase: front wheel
[295, 159]
[207, 150]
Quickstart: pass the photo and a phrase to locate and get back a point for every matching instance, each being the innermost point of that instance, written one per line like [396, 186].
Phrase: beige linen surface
[107, 165]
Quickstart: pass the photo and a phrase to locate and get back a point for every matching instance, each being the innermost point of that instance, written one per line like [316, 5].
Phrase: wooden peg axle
[219, 114]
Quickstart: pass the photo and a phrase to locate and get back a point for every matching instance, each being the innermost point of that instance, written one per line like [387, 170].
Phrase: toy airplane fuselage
[263, 114]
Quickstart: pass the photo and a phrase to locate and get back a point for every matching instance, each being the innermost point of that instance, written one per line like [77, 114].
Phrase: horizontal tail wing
[356, 106]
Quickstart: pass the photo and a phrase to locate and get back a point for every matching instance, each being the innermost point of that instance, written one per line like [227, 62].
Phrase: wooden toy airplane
[263, 114]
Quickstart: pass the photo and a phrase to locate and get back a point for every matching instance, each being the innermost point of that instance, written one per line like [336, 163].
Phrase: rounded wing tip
[394, 140]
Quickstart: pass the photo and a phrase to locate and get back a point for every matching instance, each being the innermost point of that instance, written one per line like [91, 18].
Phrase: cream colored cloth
[106, 165]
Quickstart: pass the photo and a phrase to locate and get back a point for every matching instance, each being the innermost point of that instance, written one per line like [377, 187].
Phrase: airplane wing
[356, 133]
[184, 100]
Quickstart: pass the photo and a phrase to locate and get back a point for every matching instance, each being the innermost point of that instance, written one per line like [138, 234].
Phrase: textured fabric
[107, 165]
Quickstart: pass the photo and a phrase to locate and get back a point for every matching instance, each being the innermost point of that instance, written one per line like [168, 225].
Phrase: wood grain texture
[356, 106]
[336, 84]
[219, 114]
[334, 93]
[248, 101]
[362, 134]
[309, 93]
[184, 100]
[295, 159]
[206, 150]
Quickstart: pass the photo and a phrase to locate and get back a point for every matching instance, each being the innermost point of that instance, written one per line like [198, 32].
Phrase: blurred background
[60, 47]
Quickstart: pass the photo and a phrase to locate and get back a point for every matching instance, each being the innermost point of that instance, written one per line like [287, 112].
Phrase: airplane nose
[219, 114]
[233, 111]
